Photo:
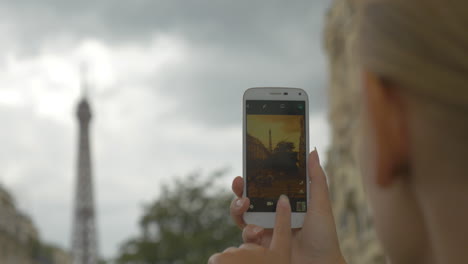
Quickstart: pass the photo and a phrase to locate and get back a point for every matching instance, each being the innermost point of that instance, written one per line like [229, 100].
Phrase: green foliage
[188, 223]
[40, 252]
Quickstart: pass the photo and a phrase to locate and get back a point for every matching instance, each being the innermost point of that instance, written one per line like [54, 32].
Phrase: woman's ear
[387, 114]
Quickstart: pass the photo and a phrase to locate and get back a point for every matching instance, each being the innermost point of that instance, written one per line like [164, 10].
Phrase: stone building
[354, 225]
[19, 238]
[17, 232]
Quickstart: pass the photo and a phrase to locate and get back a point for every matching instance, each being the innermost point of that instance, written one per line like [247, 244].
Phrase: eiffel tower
[84, 241]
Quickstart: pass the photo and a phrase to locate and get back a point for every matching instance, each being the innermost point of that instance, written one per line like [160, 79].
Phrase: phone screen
[275, 154]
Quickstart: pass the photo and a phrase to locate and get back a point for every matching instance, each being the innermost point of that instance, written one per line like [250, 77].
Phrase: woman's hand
[279, 251]
[317, 241]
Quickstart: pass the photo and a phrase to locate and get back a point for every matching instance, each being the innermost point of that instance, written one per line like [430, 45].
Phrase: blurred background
[164, 82]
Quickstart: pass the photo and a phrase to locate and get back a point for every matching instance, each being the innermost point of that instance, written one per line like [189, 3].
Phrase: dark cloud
[210, 87]
[233, 23]
[234, 45]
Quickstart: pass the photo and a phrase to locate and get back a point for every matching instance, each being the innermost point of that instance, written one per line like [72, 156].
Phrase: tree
[189, 222]
[284, 146]
[284, 157]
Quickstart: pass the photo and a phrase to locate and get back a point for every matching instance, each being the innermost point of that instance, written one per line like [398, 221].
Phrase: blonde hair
[421, 45]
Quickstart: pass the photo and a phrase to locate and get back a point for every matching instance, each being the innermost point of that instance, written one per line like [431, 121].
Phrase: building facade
[353, 217]
[17, 232]
[19, 237]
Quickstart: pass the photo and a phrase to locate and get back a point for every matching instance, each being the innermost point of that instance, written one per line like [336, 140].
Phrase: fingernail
[258, 229]
[315, 156]
[283, 200]
[240, 202]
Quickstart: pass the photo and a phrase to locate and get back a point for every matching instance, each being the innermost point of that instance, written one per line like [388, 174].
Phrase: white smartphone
[275, 148]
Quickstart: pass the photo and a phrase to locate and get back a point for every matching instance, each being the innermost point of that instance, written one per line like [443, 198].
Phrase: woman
[414, 60]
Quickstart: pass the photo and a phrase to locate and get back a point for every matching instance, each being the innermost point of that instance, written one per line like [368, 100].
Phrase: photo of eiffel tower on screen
[276, 156]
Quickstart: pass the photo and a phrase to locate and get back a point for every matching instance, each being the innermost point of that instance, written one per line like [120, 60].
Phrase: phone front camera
[285, 93]
[300, 93]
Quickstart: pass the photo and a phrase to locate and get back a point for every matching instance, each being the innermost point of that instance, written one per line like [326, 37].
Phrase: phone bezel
[267, 219]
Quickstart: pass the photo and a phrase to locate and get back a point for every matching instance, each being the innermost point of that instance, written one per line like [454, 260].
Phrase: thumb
[319, 210]
[282, 236]
[319, 196]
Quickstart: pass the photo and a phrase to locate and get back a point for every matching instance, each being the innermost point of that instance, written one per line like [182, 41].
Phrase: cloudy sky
[167, 79]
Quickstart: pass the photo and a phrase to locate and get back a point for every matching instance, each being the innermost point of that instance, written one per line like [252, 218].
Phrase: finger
[250, 246]
[214, 258]
[319, 202]
[238, 207]
[230, 249]
[281, 241]
[252, 234]
[319, 198]
[238, 186]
